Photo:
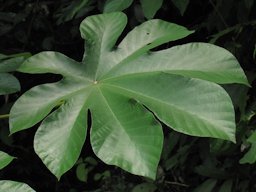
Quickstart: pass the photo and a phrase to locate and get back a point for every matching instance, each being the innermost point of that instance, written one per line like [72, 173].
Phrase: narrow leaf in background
[150, 7]
[73, 10]
[181, 5]
[206, 186]
[116, 5]
[226, 186]
[250, 156]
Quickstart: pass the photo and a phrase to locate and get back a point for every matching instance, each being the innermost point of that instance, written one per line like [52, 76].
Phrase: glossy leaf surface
[125, 87]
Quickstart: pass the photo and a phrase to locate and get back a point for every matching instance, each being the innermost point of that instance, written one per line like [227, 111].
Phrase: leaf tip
[246, 82]
[58, 177]
[12, 132]
[232, 139]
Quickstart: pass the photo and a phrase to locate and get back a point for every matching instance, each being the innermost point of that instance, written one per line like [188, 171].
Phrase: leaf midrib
[114, 115]
[101, 50]
[180, 72]
[74, 122]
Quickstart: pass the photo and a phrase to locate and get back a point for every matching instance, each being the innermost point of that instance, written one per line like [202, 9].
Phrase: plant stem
[219, 14]
[4, 116]
[176, 183]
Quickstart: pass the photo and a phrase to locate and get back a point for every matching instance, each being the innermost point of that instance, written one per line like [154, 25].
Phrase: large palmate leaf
[127, 88]
[13, 186]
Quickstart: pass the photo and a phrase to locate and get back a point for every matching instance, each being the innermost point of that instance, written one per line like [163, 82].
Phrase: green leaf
[8, 63]
[36, 103]
[60, 148]
[8, 84]
[105, 175]
[206, 186]
[238, 95]
[226, 186]
[2, 56]
[98, 56]
[13, 186]
[100, 33]
[116, 5]
[197, 60]
[124, 133]
[250, 156]
[145, 37]
[219, 146]
[73, 9]
[150, 7]
[181, 5]
[5, 159]
[52, 62]
[126, 89]
[82, 172]
[190, 115]
[91, 161]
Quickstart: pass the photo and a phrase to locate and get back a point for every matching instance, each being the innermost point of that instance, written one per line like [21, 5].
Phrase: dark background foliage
[187, 162]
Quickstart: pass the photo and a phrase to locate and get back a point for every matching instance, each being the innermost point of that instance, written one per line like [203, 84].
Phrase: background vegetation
[187, 163]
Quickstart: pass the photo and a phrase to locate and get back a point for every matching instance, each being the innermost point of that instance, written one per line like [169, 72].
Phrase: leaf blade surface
[100, 33]
[8, 84]
[182, 103]
[116, 5]
[125, 134]
[13, 186]
[36, 103]
[197, 60]
[145, 37]
[5, 159]
[59, 140]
